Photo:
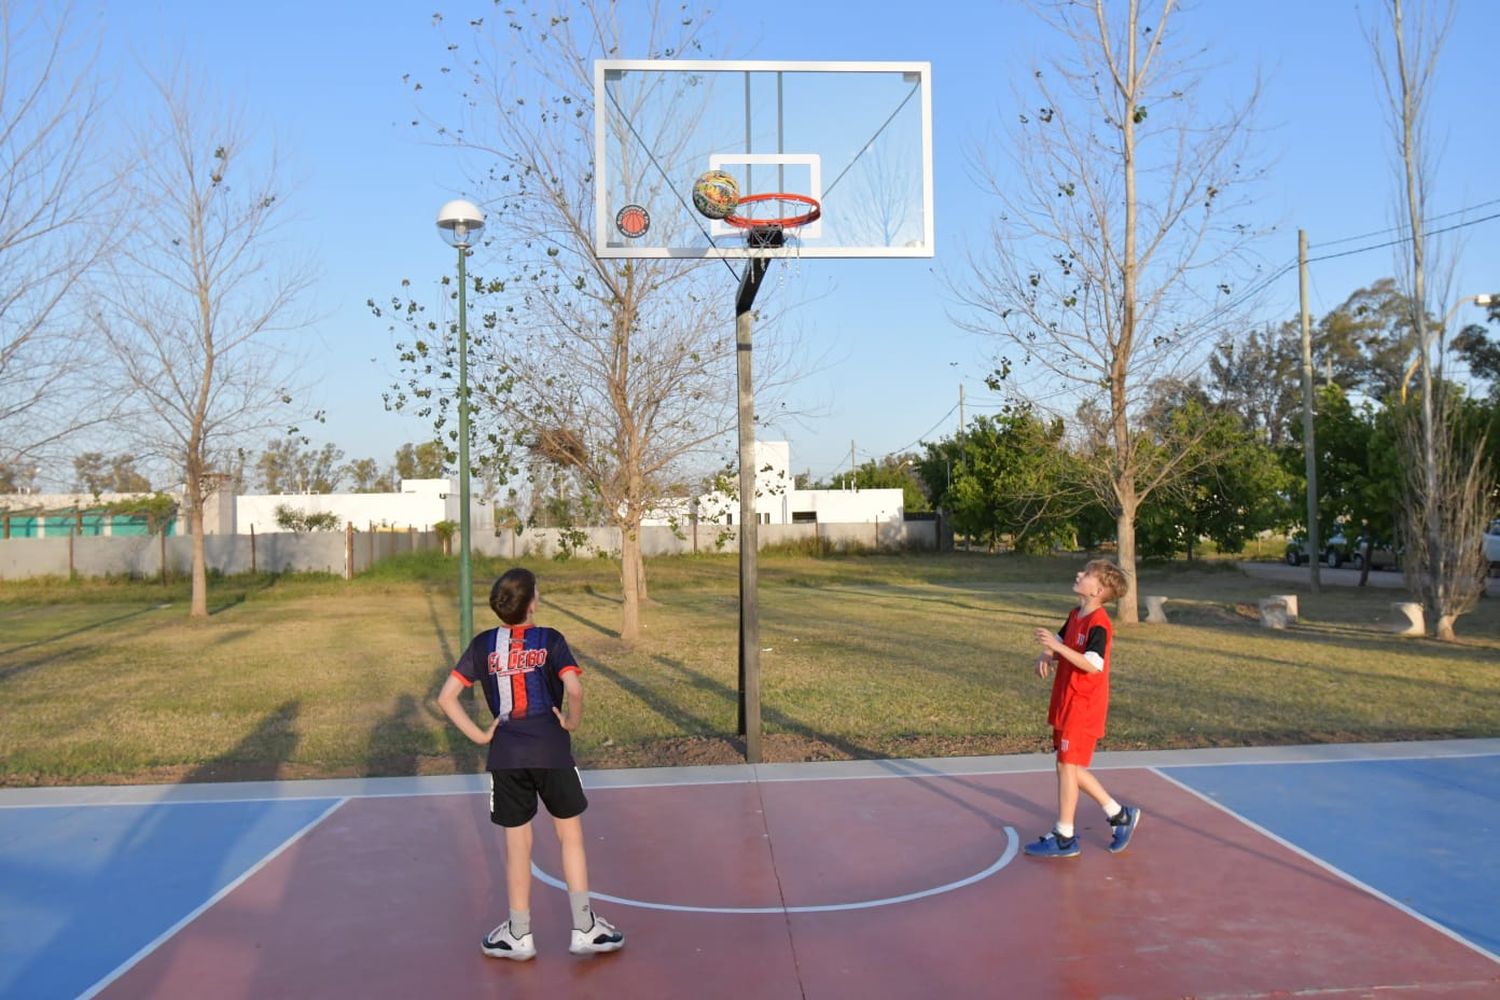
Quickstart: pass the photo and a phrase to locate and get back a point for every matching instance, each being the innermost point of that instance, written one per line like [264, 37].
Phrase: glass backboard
[856, 137]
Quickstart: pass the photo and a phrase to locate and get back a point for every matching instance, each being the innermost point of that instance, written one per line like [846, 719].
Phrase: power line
[1394, 229]
[1256, 289]
[1406, 239]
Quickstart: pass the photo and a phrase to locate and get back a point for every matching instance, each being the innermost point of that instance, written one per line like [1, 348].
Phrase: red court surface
[882, 879]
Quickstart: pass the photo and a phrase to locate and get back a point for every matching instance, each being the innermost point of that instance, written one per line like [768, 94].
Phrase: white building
[420, 504]
[777, 502]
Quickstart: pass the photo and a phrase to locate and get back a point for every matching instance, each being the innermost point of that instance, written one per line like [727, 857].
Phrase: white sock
[520, 923]
[1111, 808]
[583, 914]
[1064, 830]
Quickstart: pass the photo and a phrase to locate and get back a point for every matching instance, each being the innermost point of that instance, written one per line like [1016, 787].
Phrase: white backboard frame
[733, 245]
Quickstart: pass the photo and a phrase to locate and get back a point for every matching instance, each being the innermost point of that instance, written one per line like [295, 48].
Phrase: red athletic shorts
[1072, 748]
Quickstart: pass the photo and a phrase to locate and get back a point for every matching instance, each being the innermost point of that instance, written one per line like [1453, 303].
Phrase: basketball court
[1323, 871]
[1305, 871]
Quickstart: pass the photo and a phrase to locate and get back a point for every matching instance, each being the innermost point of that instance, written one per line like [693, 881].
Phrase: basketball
[716, 194]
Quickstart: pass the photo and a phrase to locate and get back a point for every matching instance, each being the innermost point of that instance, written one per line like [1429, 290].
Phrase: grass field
[864, 656]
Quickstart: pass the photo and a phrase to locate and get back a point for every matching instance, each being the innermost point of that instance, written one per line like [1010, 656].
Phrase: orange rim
[790, 222]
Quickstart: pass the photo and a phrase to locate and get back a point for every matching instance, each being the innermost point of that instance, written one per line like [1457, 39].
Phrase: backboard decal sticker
[633, 221]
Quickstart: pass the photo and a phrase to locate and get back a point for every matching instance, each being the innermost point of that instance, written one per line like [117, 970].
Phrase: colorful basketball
[716, 194]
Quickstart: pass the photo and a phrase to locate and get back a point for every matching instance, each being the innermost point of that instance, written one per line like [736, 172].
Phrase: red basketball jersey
[1080, 699]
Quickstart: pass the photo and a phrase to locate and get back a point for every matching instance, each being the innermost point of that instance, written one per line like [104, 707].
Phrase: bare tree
[197, 295]
[1109, 267]
[1448, 479]
[53, 198]
[619, 371]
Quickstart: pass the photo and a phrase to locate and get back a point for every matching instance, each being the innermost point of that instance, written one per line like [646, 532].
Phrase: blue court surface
[1385, 851]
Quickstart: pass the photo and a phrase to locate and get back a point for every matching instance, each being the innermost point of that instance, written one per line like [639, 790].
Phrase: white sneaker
[600, 937]
[501, 943]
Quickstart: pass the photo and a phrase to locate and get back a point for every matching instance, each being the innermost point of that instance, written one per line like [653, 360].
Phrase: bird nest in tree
[560, 446]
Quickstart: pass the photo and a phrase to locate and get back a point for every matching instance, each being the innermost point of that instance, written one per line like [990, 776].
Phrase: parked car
[1332, 551]
[1492, 543]
[1340, 550]
[1383, 554]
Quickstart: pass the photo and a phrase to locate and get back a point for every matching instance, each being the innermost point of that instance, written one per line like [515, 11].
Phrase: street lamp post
[1482, 300]
[459, 222]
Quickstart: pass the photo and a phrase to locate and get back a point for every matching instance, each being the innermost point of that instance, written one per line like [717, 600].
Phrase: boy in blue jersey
[531, 683]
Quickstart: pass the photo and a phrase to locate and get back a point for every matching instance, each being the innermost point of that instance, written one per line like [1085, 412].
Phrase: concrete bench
[1155, 609]
[1409, 619]
[1278, 610]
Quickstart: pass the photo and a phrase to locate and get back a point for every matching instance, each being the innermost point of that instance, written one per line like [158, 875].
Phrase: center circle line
[1012, 848]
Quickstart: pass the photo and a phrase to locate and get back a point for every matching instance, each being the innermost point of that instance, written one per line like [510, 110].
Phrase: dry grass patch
[863, 657]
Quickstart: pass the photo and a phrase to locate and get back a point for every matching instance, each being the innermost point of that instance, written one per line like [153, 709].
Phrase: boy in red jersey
[1080, 703]
[528, 674]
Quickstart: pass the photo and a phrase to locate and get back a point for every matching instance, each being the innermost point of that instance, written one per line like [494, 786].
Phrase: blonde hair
[1111, 576]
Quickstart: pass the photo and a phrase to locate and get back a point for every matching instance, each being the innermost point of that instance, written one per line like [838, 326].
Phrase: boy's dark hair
[512, 594]
[1112, 576]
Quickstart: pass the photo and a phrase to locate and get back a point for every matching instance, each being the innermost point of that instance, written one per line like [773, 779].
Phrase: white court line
[739, 774]
[1012, 847]
[162, 938]
[1331, 869]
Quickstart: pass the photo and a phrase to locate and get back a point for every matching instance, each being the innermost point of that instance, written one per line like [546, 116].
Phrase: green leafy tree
[895, 472]
[293, 519]
[367, 477]
[94, 473]
[285, 466]
[89, 473]
[1006, 478]
[1364, 343]
[1257, 375]
[1472, 345]
[124, 478]
[1357, 465]
[1227, 500]
[423, 460]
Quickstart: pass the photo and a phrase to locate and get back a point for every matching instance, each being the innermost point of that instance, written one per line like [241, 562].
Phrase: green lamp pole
[459, 221]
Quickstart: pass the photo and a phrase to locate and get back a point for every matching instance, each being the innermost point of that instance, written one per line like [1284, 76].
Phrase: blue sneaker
[1123, 827]
[1053, 846]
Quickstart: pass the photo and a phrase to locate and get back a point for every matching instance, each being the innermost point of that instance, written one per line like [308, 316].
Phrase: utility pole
[960, 411]
[853, 469]
[1309, 445]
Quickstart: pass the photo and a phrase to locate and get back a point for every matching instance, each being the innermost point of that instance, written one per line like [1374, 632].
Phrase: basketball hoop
[812, 211]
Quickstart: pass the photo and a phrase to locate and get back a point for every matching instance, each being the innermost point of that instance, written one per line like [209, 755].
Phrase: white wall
[776, 501]
[885, 506]
[420, 504]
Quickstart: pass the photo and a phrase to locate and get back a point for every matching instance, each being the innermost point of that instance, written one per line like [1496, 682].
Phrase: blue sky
[324, 80]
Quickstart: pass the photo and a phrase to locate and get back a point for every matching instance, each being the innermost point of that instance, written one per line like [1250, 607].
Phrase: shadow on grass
[259, 756]
[394, 740]
[21, 668]
[602, 629]
[780, 720]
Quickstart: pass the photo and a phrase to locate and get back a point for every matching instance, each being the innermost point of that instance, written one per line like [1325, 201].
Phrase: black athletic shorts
[514, 791]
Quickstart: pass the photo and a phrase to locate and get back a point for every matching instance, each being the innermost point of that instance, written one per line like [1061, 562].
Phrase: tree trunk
[200, 563]
[1125, 343]
[1127, 611]
[1443, 627]
[630, 582]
